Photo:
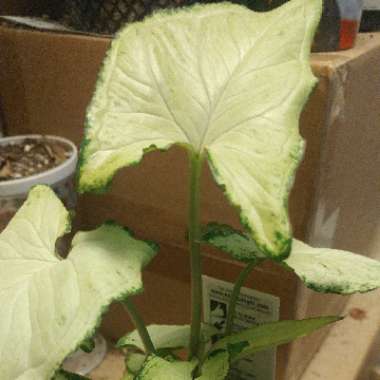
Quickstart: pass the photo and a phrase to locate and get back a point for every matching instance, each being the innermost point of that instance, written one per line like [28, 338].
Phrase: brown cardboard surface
[348, 183]
[46, 81]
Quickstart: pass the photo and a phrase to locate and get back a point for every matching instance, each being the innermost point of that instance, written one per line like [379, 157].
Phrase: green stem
[235, 295]
[195, 255]
[140, 326]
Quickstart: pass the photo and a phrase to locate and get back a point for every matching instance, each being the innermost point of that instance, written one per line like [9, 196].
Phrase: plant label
[252, 308]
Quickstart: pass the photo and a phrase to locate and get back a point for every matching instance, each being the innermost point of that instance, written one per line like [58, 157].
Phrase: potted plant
[28, 160]
[228, 85]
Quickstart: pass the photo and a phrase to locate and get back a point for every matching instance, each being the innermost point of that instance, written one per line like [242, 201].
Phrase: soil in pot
[26, 161]
[31, 156]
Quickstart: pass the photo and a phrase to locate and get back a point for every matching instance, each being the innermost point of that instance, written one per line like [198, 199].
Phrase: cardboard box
[46, 81]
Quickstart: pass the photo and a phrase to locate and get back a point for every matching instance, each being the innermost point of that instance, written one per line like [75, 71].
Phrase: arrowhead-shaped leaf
[333, 271]
[222, 81]
[166, 336]
[156, 368]
[49, 305]
[216, 366]
[321, 269]
[268, 335]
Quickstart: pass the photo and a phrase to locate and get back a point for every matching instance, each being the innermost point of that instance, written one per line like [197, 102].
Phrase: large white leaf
[166, 336]
[156, 368]
[223, 81]
[332, 270]
[49, 305]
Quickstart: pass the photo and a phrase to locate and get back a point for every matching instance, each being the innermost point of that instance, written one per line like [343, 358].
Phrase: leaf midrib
[223, 90]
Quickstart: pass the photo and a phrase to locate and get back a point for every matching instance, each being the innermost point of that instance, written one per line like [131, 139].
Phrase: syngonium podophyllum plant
[228, 85]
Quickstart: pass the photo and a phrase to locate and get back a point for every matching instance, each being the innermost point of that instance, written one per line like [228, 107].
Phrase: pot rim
[50, 177]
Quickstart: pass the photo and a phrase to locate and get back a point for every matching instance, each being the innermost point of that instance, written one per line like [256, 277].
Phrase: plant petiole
[195, 254]
[140, 326]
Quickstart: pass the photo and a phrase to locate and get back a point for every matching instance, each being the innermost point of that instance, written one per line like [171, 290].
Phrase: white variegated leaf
[221, 80]
[49, 305]
[333, 270]
[324, 270]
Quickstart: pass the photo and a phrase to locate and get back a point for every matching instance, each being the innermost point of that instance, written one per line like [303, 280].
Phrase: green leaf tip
[264, 336]
[232, 89]
[46, 299]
